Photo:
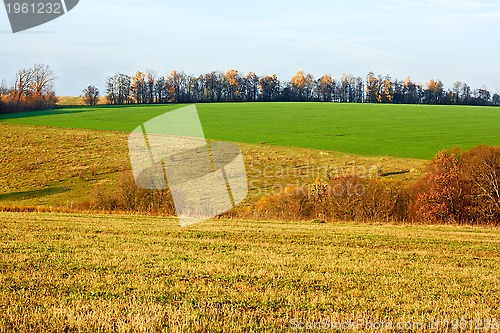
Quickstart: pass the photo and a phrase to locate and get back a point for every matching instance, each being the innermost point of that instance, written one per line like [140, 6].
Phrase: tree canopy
[232, 86]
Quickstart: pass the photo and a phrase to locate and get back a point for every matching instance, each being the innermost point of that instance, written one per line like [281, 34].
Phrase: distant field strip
[131, 273]
[414, 131]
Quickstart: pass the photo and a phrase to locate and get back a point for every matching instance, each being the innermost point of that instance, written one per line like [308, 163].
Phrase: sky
[448, 40]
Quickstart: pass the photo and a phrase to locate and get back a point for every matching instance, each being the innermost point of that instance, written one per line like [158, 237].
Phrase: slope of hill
[413, 131]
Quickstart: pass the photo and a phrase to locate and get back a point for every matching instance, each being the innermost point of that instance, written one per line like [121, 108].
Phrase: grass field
[76, 100]
[41, 166]
[131, 273]
[65, 273]
[412, 131]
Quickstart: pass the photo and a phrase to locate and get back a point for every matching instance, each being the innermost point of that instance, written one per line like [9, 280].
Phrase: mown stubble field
[69, 273]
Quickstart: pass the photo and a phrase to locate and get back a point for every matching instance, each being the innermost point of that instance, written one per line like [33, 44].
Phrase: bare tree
[33, 88]
[495, 100]
[465, 93]
[270, 88]
[24, 79]
[457, 86]
[252, 81]
[118, 88]
[91, 95]
[359, 89]
[483, 96]
[43, 78]
[150, 86]
[161, 90]
[4, 90]
[178, 86]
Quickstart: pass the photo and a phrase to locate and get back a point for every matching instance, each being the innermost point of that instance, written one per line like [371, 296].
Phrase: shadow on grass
[26, 195]
[71, 109]
[27, 114]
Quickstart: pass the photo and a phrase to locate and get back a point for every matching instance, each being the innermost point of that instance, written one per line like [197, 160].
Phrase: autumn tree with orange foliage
[233, 82]
[326, 88]
[434, 94]
[460, 188]
[386, 90]
[372, 88]
[298, 83]
[302, 85]
[440, 193]
[138, 87]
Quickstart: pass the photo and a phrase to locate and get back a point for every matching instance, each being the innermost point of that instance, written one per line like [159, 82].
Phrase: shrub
[127, 196]
[290, 204]
[344, 197]
[480, 173]
[460, 188]
[385, 201]
[348, 198]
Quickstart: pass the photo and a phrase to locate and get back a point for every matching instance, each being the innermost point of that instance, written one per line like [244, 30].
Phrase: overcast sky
[448, 40]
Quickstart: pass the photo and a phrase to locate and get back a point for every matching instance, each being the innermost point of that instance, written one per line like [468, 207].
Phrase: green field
[413, 131]
[69, 273]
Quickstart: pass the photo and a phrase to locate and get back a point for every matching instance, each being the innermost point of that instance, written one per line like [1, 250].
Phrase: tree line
[32, 90]
[231, 86]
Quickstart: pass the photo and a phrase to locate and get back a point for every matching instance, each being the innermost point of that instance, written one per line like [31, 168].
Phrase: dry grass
[76, 100]
[271, 169]
[69, 273]
[56, 167]
[42, 166]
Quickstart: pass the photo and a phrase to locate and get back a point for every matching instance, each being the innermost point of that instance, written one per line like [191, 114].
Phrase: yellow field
[68, 273]
[76, 100]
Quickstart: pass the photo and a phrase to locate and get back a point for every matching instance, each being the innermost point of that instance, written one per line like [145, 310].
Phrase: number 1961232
[32, 8]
